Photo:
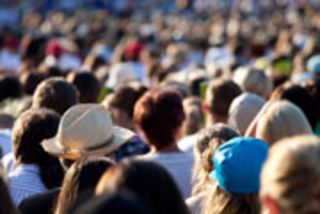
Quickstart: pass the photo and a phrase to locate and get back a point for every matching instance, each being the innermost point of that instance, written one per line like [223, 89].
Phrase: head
[29, 130]
[290, 176]
[194, 115]
[135, 176]
[243, 110]
[10, 87]
[30, 81]
[80, 181]
[120, 202]
[282, 119]
[121, 105]
[254, 81]
[86, 130]
[301, 98]
[56, 94]
[219, 95]
[87, 84]
[236, 176]
[207, 143]
[159, 115]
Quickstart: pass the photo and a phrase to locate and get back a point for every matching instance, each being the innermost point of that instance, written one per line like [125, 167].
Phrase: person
[253, 81]
[87, 84]
[121, 202]
[243, 110]
[80, 181]
[281, 119]
[218, 98]
[194, 116]
[290, 176]
[7, 206]
[208, 141]
[149, 181]
[55, 93]
[87, 130]
[35, 171]
[158, 116]
[236, 177]
[10, 88]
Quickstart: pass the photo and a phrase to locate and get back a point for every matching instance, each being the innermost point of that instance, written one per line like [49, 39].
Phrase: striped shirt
[25, 181]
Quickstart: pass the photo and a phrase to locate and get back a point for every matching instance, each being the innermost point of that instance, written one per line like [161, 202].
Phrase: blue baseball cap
[238, 163]
[313, 64]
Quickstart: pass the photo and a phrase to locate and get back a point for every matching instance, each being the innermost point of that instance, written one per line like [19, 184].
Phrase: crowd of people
[190, 110]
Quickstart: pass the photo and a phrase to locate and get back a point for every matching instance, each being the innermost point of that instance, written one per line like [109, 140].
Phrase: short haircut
[30, 81]
[30, 129]
[282, 119]
[87, 84]
[125, 98]
[159, 115]
[290, 175]
[220, 94]
[10, 87]
[56, 94]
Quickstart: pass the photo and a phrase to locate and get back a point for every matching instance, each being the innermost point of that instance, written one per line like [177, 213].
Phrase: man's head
[56, 94]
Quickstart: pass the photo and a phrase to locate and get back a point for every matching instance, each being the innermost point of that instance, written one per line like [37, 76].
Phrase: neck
[214, 119]
[170, 148]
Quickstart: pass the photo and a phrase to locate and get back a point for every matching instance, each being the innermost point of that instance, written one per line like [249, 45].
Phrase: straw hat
[86, 130]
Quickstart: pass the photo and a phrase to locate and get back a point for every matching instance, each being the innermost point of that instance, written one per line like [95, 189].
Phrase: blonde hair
[220, 202]
[254, 81]
[282, 119]
[291, 175]
[208, 141]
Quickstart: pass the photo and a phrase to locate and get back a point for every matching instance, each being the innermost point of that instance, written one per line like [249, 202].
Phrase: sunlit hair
[254, 81]
[208, 141]
[220, 202]
[194, 115]
[291, 175]
[282, 119]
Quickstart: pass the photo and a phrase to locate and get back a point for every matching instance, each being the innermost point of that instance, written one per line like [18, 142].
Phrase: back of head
[121, 202]
[254, 81]
[30, 81]
[282, 119]
[290, 176]
[29, 130]
[243, 110]
[80, 181]
[301, 98]
[56, 94]
[219, 95]
[194, 115]
[149, 181]
[10, 87]
[159, 114]
[87, 84]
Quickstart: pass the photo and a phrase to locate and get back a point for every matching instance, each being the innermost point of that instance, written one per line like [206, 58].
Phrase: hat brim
[121, 136]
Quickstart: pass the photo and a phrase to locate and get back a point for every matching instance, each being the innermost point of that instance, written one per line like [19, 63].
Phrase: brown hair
[220, 94]
[291, 175]
[56, 94]
[81, 177]
[147, 180]
[159, 115]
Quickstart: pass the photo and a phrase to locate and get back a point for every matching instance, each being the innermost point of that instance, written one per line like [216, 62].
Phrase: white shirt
[179, 165]
[25, 181]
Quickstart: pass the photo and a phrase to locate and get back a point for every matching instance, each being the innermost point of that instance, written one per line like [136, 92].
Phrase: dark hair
[30, 129]
[125, 98]
[87, 84]
[10, 87]
[121, 202]
[301, 98]
[220, 94]
[159, 115]
[7, 206]
[30, 81]
[149, 181]
[56, 94]
[80, 181]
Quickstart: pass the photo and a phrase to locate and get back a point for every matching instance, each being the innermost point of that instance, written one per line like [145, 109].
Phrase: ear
[270, 205]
